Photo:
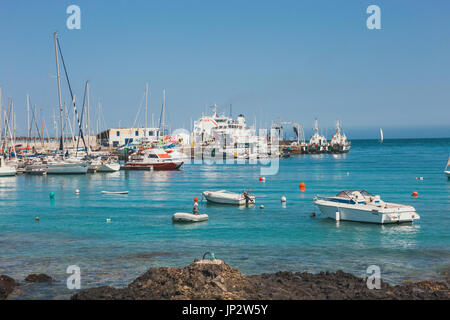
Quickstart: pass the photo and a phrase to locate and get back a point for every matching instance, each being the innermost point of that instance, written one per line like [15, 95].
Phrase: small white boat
[108, 167]
[361, 206]
[6, 170]
[227, 197]
[184, 217]
[114, 192]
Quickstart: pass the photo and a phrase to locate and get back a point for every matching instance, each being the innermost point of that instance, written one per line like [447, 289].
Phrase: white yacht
[317, 143]
[361, 206]
[339, 142]
[6, 170]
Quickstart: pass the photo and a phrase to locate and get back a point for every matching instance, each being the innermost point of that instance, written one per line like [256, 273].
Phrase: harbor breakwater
[216, 280]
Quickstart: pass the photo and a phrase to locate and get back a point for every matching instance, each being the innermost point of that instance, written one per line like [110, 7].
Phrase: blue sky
[296, 60]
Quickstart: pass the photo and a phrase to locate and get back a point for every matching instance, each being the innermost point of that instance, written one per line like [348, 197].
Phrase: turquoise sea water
[73, 231]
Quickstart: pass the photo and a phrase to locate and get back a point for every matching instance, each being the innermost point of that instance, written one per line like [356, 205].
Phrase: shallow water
[73, 231]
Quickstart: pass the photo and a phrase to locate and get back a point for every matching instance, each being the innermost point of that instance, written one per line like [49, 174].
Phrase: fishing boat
[184, 217]
[6, 170]
[361, 206]
[227, 197]
[152, 159]
[317, 142]
[339, 142]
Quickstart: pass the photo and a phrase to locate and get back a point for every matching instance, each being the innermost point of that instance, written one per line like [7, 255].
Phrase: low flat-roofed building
[120, 136]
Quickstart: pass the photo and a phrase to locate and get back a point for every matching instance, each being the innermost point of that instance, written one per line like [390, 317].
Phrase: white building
[121, 136]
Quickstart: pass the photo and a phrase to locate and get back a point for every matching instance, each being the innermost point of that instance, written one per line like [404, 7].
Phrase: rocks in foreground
[7, 285]
[38, 278]
[214, 279]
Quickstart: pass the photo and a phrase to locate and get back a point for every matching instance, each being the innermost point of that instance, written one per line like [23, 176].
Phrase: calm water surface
[73, 231]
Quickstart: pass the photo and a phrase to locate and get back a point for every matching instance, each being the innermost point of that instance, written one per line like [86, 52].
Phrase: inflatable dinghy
[227, 197]
[184, 217]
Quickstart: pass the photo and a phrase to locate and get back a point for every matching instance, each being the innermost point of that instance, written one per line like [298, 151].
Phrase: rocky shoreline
[216, 280]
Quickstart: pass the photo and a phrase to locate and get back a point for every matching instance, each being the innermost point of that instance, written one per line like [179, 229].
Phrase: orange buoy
[415, 194]
[302, 186]
[37, 218]
[196, 199]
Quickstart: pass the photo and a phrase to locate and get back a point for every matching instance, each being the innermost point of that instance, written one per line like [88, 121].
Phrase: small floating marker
[261, 207]
[348, 173]
[52, 195]
[283, 199]
[108, 220]
[312, 215]
[302, 186]
[37, 219]
[415, 194]
[195, 199]
[77, 191]
[262, 179]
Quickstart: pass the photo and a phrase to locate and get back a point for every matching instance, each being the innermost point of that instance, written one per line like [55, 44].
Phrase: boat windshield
[348, 193]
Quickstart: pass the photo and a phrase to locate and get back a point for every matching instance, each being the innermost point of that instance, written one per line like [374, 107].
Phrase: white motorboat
[6, 170]
[184, 217]
[108, 165]
[227, 197]
[361, 206]
[152, 159]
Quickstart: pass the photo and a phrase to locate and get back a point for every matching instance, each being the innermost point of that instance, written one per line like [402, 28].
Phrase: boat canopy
[348, 193]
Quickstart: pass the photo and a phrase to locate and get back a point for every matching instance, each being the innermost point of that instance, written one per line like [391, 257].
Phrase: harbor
[223, 155]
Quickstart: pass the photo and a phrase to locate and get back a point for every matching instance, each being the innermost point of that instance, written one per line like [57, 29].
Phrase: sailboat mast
[146, 109]
[88, 116]
[61, 146]
[163, 111]
[28, 119]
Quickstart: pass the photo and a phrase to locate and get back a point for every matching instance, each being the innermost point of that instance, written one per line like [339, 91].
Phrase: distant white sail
[381, 135]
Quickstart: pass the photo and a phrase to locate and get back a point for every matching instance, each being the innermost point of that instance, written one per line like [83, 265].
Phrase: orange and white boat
[152, 159]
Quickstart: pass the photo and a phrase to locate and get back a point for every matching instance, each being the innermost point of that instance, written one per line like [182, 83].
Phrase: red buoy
[415, 194]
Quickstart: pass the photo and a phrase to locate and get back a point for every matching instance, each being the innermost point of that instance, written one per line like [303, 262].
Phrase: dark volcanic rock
[7, 285]
[38, 278]
[215, 279]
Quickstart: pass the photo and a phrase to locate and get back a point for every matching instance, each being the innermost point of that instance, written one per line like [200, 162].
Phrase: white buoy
[283, 199]
[108, 220]
[77, 191]
[261, 207]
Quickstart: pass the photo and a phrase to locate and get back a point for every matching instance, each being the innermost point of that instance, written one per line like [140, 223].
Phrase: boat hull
[68, 168]
[218, 197]
[184, 217]
[108, 167]
[153, 166]
[7, 171]
[358, 214]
